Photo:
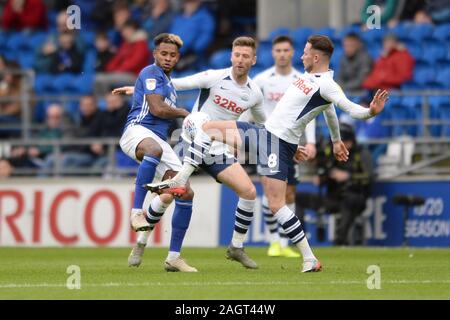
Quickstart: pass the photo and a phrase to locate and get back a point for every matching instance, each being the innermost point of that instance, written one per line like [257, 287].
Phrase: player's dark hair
[322, 43]
[352, 35]
[168, 38]
[245, 42]
[281, 39]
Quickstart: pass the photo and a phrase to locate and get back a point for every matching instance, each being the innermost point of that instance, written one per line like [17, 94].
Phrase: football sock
[243, 219]
[180, 223]
[270, 220]
[293, 228]
[155, 211]
[145, 174]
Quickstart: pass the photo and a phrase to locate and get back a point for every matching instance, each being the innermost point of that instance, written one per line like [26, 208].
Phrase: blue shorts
[275, 157]
[212, 165]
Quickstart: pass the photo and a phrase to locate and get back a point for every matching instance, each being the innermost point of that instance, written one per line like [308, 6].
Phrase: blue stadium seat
[424, 77]
[26, 59]
[444, 111]
[88, 38]
[433, 52]
[443, 77]
[62, 82]
[327, 31]
[416, 51]
[340, 34]
[442, 33]
[401, 30]
[438, 106]
[264, 59]
[336, 58]
[420, 32]
[282, 31]
[373, 36]
[44, 84]
[300, 35]
[255, 70]
[89, 61]
[374, 50]
[80, 84]
[220, 59]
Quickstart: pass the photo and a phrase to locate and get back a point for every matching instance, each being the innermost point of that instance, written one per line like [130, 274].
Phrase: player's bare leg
[276, 194]
[237, 179]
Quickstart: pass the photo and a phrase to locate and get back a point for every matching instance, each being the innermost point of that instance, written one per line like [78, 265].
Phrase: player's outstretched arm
[128, 90]
[378, 102]
[340, 151]
[162, 110]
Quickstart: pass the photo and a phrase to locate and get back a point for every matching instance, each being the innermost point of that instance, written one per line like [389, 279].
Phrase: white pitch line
[189, 284]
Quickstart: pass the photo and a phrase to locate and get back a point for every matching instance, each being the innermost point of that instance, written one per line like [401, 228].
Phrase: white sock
[305, 249]
[183, 175]
[238, 239]
[143, 236]
[136, 211]
[158, 206]
[173, 255]
[291, 207]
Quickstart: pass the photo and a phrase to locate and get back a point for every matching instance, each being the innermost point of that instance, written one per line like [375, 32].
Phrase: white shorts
[135, 134]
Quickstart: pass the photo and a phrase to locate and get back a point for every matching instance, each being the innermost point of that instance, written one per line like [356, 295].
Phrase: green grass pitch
[406, 273]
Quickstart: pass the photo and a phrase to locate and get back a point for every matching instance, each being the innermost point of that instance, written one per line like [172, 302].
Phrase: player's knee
[249, 193]
[149, 148]
[276, 204]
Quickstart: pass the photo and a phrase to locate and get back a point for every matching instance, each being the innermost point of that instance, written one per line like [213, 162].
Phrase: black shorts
[274, 156]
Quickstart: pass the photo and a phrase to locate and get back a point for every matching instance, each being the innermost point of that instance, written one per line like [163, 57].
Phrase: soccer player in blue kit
[144, 139]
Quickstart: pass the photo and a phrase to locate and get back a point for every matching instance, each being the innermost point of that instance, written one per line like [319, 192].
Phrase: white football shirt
[305, 98]
[273, 86]
[222, 98]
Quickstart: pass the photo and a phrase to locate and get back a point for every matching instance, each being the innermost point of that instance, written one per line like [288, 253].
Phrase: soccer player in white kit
[273, 83]
[314, 92]
[224, 95]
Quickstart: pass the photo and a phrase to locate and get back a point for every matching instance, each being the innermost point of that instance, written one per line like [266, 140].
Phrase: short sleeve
[153, 81]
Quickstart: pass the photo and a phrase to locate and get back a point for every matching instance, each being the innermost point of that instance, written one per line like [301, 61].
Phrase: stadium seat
[438, 105]
[300, 35]
[327, 31]
[416, 51]
[341, 33]
[44, 84]
[433, 53]
[26, 59]
[374, 50]
[443, 78]
[80, 84]
[89, 61]
[424, 77]
[220, 59]
[255, 70]
[264, 59]
[373, 36]
[282, 31]
[445, 116]
[402, 31]
[441, 33]
[420, 32]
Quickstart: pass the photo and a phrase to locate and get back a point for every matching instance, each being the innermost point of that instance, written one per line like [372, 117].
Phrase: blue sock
[180, 222]
[146, 173]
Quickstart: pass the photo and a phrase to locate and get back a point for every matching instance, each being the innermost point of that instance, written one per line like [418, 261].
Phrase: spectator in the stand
[55, 126]
[195, 25]
[21, 15]
[90, 127]
[45, 54]
[10, 90]
[121, 14]
[411, 10]
[6, 169]
[115, 116]
[439, 11]
[388, 10]
[113, 120]
[355, 64]
[393, 68]
[104, 51]
[66, 58]
[159, 19]
[133, 55]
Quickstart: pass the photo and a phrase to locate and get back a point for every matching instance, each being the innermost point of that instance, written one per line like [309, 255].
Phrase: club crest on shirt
[150, 84]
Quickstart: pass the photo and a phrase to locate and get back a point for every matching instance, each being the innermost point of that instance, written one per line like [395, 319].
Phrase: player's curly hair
[168, 38]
